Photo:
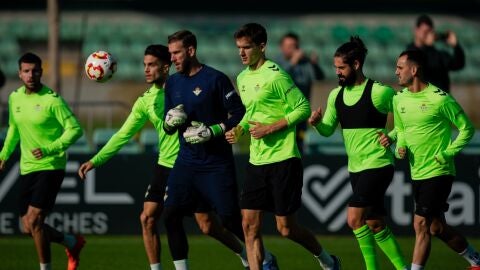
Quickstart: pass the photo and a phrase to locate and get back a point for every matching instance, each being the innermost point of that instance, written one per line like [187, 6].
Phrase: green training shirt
[423, 123]
[40, 120]
[269, 95]
[149, 106]
[362, 145]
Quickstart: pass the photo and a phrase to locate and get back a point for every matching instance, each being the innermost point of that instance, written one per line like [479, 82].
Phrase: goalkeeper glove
[175, 117]
[199, 133]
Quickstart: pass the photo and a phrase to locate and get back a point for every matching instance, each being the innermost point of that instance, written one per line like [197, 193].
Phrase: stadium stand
[385, 40]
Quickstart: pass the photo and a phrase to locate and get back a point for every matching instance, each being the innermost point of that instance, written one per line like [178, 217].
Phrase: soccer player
[423, 116]
[45, 126]
[275, 173]
[201, 103]
[149, 107]
[361, 106]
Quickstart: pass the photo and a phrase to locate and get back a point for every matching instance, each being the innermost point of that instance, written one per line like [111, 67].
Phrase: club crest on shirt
[18, 109]
[243, 88]
[402, 110]
[37, 107]
[257, 87]
[197, 91]
[423, 107]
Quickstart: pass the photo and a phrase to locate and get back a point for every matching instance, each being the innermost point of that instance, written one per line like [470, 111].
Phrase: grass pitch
[127, 253]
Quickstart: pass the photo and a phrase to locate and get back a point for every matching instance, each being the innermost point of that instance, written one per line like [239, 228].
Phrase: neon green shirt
[269, 95]
[40, 120]
[149, 106]
[362, 145]
[423, 123]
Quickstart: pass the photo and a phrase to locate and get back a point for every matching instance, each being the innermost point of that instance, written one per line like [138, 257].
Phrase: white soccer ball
[100, 66]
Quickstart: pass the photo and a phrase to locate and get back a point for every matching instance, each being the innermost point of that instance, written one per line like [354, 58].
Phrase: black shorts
[275, 187]
[369, 187]
[431, 195]
[156, 189]
[40, 189]
[202, 189]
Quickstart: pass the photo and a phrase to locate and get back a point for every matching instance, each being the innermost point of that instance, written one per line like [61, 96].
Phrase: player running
[275, 173]
[423, 116]
[361, 106]
[45, 126]
[149, 107]
[201, 103]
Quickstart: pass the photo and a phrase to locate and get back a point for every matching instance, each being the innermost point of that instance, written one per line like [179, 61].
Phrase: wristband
[217, 130]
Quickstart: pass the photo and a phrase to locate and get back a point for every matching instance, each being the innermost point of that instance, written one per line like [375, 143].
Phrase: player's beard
[186, 67]
[347, 81]
[405, 82]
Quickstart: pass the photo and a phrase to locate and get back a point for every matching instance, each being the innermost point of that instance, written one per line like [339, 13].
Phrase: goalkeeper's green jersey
[361, 139]
[423, 123]
[40, 120]
[269, 95]
[149, 106]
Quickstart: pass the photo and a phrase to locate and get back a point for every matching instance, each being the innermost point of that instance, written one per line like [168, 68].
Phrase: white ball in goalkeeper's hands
[100, 66]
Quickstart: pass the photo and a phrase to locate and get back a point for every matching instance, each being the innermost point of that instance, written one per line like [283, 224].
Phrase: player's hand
[234, 134]
[384, 139]
[2, 164]
[37, 153]
[175, 117]
[84, 168]
[402, 152]
[451, 39]
[442, 158]
[197, 133]
[259, 130]
[315, 117]
[296, 56]
[314, 58]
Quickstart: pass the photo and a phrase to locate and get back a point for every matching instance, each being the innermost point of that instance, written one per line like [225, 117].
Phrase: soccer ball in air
[100, 66]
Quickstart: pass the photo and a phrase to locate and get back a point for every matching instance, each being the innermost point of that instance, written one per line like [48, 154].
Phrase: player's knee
[376, 225]
[437, 228]
[250, 228]
[284, 230]
[25, 226]
[355, 222]
[420, 226]
[32, 223]
[147, 221]
[206, 227]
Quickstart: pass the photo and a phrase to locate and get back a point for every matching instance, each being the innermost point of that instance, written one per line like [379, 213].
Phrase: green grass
[126, 252]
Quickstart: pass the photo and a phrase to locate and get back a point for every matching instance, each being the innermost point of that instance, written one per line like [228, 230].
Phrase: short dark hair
[256, 32]
[424, 19]
[159, 51]
[185, 36]
[29, 58]
[415, 56]
[291, 35]
[353, 50]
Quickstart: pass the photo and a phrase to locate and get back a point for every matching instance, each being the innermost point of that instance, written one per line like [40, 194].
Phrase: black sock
[177, 238]
[233, 223]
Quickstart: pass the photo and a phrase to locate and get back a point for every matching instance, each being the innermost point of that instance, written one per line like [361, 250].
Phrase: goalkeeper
[201, 103]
